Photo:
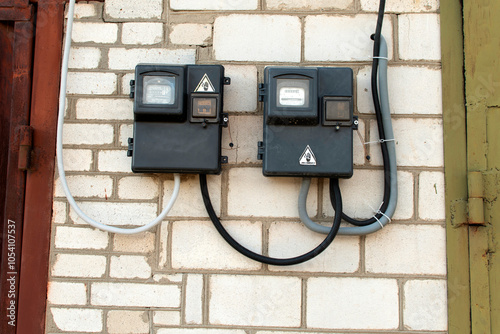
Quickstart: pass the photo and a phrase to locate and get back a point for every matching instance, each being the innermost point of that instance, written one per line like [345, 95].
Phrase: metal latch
[25, 133]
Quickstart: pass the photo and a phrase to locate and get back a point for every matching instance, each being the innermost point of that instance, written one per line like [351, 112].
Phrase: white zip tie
[382, 213]
[380, 57]
[380, 141]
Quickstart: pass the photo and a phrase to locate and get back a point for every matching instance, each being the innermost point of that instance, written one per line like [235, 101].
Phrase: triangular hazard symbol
[307, 158]
[205, 85]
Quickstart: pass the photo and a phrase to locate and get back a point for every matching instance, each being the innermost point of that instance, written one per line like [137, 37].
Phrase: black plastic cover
[297, 145]
[167, 138]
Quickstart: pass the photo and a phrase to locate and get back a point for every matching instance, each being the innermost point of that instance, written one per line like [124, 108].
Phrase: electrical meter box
[178, 118]
[308, 122]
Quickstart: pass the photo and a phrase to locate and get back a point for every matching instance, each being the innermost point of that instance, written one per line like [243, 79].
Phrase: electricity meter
[308, 121]
[177, 118]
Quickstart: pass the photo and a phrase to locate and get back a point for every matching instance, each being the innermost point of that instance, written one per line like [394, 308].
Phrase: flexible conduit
[391, 146]
[59, 149]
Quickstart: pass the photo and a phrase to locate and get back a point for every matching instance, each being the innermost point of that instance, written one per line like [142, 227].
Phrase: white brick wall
[213, 4]
[142, 33]
[355, 303]
[308, 5]
[133, 322]
[342, 38]
[245, 38]
[94, 32]
[182, 277]
[190, 33]
[272, 301]
[134, 9]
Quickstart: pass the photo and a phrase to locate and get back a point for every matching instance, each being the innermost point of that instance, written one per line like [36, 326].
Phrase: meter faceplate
[312, 139]
[175, 136]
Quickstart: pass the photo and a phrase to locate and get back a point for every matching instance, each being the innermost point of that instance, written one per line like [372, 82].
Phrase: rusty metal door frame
[40, 100]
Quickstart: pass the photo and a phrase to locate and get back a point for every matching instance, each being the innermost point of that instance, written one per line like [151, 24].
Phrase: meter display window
[292, 93]
[338, 110]
[158, 90]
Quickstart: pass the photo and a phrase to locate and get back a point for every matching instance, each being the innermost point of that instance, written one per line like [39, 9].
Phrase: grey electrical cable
[391, 146]
[59, 148]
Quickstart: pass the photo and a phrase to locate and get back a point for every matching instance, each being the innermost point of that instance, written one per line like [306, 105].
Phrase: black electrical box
[178, 118]
[308, 121]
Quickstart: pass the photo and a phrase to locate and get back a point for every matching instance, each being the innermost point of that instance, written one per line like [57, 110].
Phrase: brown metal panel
[20, 95]
[39, 183]
[15, 13]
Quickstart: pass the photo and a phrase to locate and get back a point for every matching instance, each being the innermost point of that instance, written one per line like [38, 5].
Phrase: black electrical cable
[334, 188]
[378, 114]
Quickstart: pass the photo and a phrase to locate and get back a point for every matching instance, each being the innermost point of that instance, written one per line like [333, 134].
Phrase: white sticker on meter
[292, 96]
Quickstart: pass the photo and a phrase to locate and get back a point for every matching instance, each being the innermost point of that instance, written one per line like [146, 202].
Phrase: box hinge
[475, 202]
[25, 133]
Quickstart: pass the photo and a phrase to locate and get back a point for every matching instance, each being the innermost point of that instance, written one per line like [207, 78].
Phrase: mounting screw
[356, 122]
[225, 119]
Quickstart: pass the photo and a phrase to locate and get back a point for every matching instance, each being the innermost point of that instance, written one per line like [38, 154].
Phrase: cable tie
[380, 141]
[378, 221]
[380, 57]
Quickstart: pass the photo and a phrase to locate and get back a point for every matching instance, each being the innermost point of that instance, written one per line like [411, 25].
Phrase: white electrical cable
[59, 149]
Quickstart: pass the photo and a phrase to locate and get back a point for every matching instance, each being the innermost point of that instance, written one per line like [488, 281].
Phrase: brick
[127, 322]
[189, 202]
[65, 293]
[308, 5]
[87, 134]
[241, 95]
[421, 250]
[135, 295]
[197, 245]
[292, 239]
[77, 320]
[105, 109]
[350, 42]
[213, 5]
[251, 194]
[262, 300]
[127, 59]
[142, 33]
[167, 318]
[164, 251]
[419, 142]
[75, 265]
[88, 186]
[58, 212]
[358, 203]
[136, 243]
[425, 305]
[431, 204]
[138, 187]
[199, 331]
[190, 33]
[129, 266]
[114, 161]
[193, 309]
[77, 160]
[116, 213]
[335, 303]
[102, 33]
[249, 38]
[80, 238]
[84, 58]
[126, 132]
[246, 131]
[401, 6]
[123, 9]
[418, 37]
[91, 83]
[85, 10]
[407, 86]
